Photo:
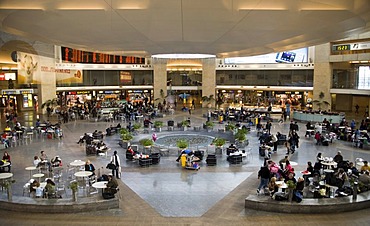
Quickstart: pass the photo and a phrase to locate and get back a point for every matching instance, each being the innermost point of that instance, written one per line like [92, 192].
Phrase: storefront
[19, 99]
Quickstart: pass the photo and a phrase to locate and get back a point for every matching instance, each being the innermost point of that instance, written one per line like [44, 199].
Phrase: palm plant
[50, 103]
[321, 101]
[208, 99]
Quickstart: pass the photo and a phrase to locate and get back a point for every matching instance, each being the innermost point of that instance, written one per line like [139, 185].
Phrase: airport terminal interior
[69, 68]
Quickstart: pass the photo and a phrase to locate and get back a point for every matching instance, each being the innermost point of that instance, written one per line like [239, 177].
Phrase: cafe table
[101, 185]
[83, 174]
[77, 163]
[38, 176]
[5, 164]
[293, 163]
[31, 169]
[4, 176]
[329, 164]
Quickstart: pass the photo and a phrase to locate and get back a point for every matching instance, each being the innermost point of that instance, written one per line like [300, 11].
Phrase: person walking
[116, 161]
[264, 176]
[357, 108]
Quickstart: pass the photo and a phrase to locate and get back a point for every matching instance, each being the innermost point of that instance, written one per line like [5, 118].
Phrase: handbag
[111, 166]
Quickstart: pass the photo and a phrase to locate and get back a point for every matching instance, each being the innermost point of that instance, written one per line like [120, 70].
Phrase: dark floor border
[309, 205]
[86, 204]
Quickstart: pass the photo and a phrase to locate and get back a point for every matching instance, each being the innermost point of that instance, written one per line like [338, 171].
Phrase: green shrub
[182, 144]
[158, 124]
[219, 141]
[137, 126]
[210, 124]
[146, 142]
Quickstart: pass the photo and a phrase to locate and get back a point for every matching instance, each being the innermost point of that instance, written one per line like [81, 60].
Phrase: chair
[60, 188]
[71, 172]
[26, 189]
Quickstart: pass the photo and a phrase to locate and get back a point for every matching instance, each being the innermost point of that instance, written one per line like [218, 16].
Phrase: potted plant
[126, 137]
[321, 101]
[230, 127]
[137, 126]
[8, 186]
[158, 126]
[291, 186]
[241, 136]
[50, 105]
[210, 125]
[182, 144]
[219, 142]
[74, 187]
[184, 124]
[208, 100]
[147, 143]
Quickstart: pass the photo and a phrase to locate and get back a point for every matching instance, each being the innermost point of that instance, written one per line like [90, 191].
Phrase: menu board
[80, 56]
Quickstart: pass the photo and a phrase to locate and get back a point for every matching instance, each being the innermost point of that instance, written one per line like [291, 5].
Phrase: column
[322, 81]
[209, 79]
[160, 78]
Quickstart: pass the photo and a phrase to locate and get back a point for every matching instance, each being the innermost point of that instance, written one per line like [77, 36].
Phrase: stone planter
[184, 128]
[9, 193]
[158, 129]
[219, 150]
[74, 196]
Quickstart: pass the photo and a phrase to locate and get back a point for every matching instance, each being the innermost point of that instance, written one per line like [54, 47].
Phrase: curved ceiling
[221, 27]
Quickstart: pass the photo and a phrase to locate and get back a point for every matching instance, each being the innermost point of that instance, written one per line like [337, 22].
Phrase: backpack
[280, 196]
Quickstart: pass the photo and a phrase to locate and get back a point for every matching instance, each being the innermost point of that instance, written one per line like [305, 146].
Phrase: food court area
[166, 178]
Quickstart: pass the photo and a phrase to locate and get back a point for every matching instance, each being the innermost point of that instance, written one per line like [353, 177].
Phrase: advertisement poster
[293, 56]
[125, 77]
[67, 76]
[31, 68]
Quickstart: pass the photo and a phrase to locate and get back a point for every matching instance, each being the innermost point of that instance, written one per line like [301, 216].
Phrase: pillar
[322, 75]
[209, 79]
[160, 78]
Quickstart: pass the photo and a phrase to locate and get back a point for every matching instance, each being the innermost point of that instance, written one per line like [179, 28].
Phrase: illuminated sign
[351, 46]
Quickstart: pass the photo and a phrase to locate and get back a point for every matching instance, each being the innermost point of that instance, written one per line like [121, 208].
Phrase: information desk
[308, 117]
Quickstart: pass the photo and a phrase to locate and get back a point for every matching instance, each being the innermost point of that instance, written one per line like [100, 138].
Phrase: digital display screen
[285, 57]
[80, 56]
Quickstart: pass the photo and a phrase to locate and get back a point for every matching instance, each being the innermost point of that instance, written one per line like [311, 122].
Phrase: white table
[5, 176]
[77, 163]
[328, 164]
[100, 185]
[38, 176]
[83, 174]
[293, 163]
[31, 169]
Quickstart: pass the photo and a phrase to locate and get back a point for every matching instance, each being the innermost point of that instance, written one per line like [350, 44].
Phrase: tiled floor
[166, 194]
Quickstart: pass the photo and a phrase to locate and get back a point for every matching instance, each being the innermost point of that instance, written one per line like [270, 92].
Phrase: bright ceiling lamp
[183, 56]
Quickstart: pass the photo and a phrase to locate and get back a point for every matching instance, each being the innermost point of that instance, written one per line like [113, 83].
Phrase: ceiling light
[183, 56]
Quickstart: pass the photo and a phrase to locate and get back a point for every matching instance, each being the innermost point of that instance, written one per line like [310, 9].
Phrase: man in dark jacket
[264, 176]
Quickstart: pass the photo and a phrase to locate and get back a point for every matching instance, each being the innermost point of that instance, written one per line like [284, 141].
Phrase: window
[364, 77]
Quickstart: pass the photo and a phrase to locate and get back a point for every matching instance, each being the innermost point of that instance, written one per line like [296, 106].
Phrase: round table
[328, 171]
[293, 163]
[77, 163]
[305, 173]
[100, 185]
[38, 175]
[328, 164]
[31, 169]
[83, 174]
[5, 176]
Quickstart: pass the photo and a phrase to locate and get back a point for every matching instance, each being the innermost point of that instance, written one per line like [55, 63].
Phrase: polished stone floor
[166, 194]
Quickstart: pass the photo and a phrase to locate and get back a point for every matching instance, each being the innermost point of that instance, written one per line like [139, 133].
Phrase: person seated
[341, 178]
[147, 122]
[111, 188]
[50, 189]
[290, 177]
[231, 149]
[6, 158]
[118, 126]
[187, 152]
[272, 186]
[319, 157]
[56, 161]
[288, 168]
[282, 161]
[90, 167]
[365, 179]
[365, 167]
[338, 157]
[300, 185]
[353, 169]
[36, 161]
[109, 131]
